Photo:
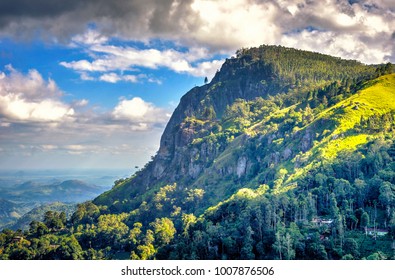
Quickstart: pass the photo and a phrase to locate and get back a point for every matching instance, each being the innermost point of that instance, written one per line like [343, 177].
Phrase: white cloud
[78, 149]
[90, 140]
[16, 107]
[84, 65]
[81, 103]
[234, 24]
[365, 27]
[110, 78]
[32, 85]
[39, 129]
[207, 68]
[86, 77]
[110, 58]
[221, 27]
[30, 98]
[90, 37]
[129, 78]
[5, 124]
[337, 45]
[114, 78]
[49, 147]
[139, 112]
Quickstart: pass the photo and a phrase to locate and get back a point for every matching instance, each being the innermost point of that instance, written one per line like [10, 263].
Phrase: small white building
[375, 232]
[320, 222]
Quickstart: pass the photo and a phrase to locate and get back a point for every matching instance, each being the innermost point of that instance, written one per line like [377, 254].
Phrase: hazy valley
[27, 195]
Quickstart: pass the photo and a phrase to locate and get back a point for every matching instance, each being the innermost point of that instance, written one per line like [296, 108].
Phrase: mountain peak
[257, 82]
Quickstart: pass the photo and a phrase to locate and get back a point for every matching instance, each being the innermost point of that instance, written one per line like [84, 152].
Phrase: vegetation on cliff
[285, 154]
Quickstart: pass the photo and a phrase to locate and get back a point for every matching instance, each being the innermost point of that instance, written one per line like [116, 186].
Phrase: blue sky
[92, 84]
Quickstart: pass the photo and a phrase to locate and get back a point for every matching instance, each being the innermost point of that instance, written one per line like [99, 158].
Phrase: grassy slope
[376, 99]
[335, 125]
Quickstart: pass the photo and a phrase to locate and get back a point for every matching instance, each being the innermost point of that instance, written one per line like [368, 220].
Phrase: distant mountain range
[37, 214]
[10, 212]
[17, 200]
[66, 191]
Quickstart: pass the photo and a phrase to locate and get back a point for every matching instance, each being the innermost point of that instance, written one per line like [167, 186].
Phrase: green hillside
[374, 101]
[286, 154]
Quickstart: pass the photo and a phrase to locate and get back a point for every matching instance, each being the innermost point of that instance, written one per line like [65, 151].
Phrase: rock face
[307, 140]
[189, 157]
[241, 166]
[243, 77]
[174, 160]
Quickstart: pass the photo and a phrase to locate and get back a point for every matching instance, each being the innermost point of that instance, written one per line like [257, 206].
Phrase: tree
[188, 220]
[86, 213]
[37, 229]
[205, 80]
[388, 68]
[146, 250]
[387, 196]
[69, 249]
[308, 115]
[247, 248]
[112, 230]
[164, 231]
[364, 220]
[333, 209]
[279, 243]
[351, 247]
[377, 256]
[135, 234]
[195, 196]
[348, 257]
[54, 221]
[209, 113]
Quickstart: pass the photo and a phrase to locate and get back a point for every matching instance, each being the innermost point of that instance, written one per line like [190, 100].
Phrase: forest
[285, 154]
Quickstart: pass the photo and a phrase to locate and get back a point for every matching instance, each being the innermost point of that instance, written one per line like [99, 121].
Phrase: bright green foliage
[284, 155]
[164, 231]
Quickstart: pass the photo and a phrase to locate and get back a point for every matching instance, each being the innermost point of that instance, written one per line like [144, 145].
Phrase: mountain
[18, 200]
[285, 154]
[10, 211]
[213, 120]
[37, 214]
[64, 191]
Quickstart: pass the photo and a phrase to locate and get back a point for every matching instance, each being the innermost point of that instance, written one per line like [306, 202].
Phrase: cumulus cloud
[140, 112]
[16, 107]
[36, 125]
[350, 29]
[30, 98]
[31, 84]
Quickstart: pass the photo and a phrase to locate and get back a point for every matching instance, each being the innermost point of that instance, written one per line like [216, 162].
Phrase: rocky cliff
[207, 133]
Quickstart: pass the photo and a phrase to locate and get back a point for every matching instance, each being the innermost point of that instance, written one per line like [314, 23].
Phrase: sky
[91, 84]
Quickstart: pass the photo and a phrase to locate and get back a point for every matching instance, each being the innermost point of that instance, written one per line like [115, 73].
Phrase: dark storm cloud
[127, 18]
[37, 8]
